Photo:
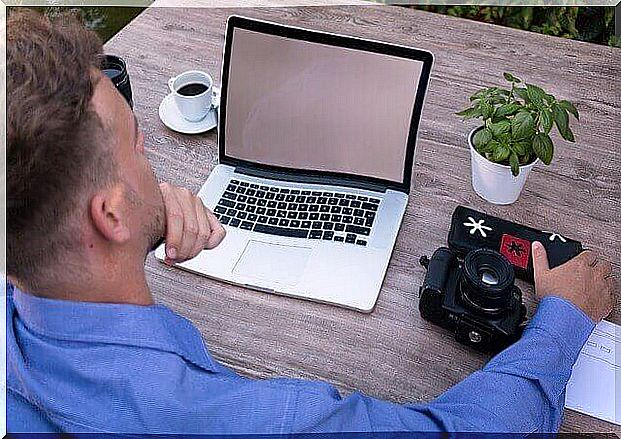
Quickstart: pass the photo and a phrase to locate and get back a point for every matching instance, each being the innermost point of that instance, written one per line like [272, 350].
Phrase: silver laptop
[316, 145]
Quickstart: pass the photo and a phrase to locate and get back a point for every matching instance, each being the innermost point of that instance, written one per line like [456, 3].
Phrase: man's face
[145, 206]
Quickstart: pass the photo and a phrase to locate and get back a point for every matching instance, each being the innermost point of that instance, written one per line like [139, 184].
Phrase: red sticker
[516, 250]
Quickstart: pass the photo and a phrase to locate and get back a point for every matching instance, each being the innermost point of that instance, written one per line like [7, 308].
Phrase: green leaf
[507, 110]
[522, 125]
[545, 117]
[481, 138]
[535, 94]
[521, 92]
[480, 94]
[501, 128]
[568, 106]
[521, 148]
[487, 110]
[469, 113]
[509, 77]
[514, 161]
[562, 122]
[501, 153]
[543, 147]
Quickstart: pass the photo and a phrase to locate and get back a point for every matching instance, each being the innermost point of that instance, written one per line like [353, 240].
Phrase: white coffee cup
[192, 106]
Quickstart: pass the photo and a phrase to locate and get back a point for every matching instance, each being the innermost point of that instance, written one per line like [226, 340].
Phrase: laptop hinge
[314, 179]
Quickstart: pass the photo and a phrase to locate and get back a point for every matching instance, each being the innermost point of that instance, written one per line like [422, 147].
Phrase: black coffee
[192, 89]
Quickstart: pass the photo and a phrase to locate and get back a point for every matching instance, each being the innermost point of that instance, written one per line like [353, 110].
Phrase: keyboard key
[242, 198]
[324, 217]
[361, 198]
[270, 196]
[361, 242]
[303, 207]
[358, 221]
[374, 200]
[225, 220]
[369, 206]
[306, 192]
[312, 200]
[273, 189]
[328, 226]
[262, 202]
[231, 212]
[292, 215]
[300, 199]
[294, 233]
[280, 197]
[290, 198]
[254, 185]
[315, 194]
[313, 208]
[220, 209]
[350, 238]
[241, 190]
[339, 195]
[261, 210]
[251, 192]
[252, 217]
[250, 208]
[348, 219]
[292, 206]
[315, 234]
[281, 214]
[336, 218]
[359, 230]
[369, 215]
[234, 222]
[344, 203]
[242, 215]
[335, 209]
[316, 224]
[333, 201]
[271, 212]
[262, 219]
[226, 203]
[246, 225]
[252, 200]
[358, 212]
[244, 183]
[272, 204]
[350, 197]
[322, 200]
[295, 191]
[355, 204]
[339, 227]
[284, 190]
[294, 223]
[324, 208]
[328, 194]
[328, 235]
[283, 222]
[338, 238]
[264, 188]
[303, 215]
[240, 206]
[348, 211]
[235, 181]
[314, 216]
[272, 221]
[368, 222]
[229, 195]
[306, 224]
[282, 205]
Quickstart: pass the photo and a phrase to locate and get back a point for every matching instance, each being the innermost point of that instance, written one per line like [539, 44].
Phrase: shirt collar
[153, 327]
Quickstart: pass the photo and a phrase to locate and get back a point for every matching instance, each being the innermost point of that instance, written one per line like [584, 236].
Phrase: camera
[474, 296]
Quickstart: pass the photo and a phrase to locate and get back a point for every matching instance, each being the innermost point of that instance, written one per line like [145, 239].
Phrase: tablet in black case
[471, 230]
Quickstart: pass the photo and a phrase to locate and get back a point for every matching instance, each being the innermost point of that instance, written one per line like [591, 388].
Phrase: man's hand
[190, 226]
[586, 281]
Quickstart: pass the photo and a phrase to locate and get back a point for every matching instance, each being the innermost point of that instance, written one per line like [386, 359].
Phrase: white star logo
[553, 236]
[477, 225]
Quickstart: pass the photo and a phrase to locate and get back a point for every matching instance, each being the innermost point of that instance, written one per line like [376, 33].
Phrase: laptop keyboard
[330, 216]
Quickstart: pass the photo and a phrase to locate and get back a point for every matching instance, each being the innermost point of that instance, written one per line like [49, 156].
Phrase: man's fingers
[190, 224]
[174, 222]
[203, 226]
[540, 259]
[217, 231]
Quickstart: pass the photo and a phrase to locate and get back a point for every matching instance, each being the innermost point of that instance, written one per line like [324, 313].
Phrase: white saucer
[172, 118]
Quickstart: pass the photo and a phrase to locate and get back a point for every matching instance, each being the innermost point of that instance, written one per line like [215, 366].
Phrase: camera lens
[487, 281]
[114, 68]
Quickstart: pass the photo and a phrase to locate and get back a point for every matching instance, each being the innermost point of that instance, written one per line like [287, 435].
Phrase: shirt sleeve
[522, 389]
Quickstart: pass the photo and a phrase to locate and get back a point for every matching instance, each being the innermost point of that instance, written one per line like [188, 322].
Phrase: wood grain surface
[391, 353]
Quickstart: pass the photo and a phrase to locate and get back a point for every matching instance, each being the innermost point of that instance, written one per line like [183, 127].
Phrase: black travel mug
[115, 68]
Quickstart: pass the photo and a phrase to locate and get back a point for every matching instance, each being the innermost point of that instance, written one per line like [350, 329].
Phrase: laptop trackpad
[283, 264]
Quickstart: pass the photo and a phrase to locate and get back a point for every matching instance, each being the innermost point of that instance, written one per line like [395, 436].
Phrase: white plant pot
[494, 182]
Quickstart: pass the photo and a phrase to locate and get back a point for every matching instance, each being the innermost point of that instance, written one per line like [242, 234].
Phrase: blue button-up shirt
[87, 367]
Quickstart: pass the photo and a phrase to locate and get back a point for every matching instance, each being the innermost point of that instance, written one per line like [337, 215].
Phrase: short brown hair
[56, 148]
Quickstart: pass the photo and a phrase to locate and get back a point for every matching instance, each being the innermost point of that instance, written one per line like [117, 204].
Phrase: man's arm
[522, 389]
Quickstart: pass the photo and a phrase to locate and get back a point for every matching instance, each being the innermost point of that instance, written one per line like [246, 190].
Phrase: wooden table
[391, 353]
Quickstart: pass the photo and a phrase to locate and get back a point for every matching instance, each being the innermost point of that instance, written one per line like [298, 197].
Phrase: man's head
[82, 198]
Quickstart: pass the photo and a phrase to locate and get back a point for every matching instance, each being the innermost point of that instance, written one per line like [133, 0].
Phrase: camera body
[475, 297]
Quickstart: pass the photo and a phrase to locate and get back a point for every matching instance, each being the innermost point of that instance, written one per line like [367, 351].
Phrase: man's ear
[108, 213]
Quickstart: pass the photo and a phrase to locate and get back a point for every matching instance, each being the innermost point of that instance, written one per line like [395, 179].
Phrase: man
[88, 351]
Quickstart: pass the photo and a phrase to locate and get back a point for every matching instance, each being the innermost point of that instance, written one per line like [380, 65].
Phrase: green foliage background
[585, 23]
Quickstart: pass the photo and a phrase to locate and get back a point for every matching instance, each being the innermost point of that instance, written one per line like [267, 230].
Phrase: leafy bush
[517, 123]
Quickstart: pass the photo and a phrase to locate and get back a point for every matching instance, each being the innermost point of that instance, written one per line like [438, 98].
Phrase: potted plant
[514, 136]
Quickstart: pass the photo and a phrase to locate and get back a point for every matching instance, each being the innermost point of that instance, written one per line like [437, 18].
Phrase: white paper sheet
[595, 384]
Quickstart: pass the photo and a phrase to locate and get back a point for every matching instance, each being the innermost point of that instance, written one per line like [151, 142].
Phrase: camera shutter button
[475, 337]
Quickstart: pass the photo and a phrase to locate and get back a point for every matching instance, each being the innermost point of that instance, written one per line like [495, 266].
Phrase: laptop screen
[311, 106]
